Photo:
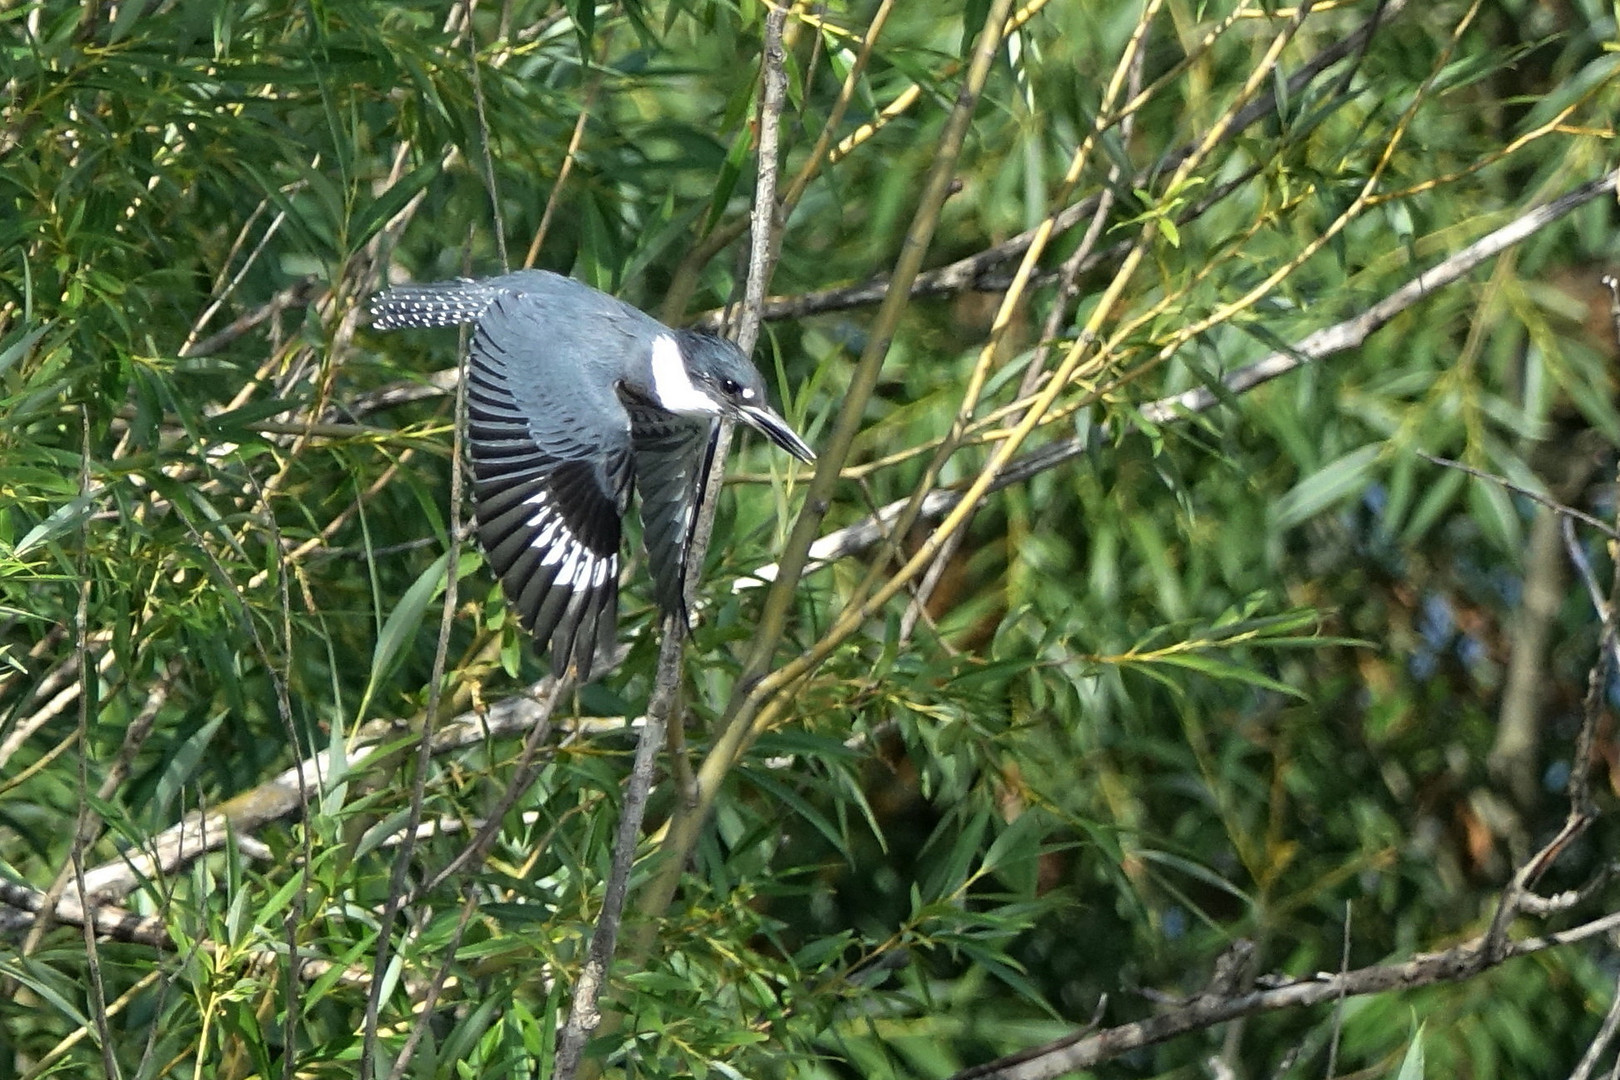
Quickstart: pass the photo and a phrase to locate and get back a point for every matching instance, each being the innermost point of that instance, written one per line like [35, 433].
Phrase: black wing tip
[585, 631]
[676, 607]
[573, 618]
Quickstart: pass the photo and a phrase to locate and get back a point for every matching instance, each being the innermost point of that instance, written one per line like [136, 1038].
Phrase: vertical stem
[583, 1015]
[683, 829]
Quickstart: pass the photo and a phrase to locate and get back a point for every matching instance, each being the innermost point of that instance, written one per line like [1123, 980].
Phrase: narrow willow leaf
[402, 624]
[1227, 671]
[1412, 1063]
[61, 520]
[381, 210]
[1332, 484]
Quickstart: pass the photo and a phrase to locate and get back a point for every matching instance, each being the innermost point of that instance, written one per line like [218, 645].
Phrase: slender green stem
[738, 719]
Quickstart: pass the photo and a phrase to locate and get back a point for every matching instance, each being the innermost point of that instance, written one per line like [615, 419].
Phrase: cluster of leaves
[1233, 676]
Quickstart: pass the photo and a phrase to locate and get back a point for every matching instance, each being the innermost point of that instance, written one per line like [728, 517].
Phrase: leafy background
[1245, 675]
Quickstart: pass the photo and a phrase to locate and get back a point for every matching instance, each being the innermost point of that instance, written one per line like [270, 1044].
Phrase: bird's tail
[444, 303]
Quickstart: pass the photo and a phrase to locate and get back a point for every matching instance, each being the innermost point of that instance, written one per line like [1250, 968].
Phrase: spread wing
[551, 458]
[672, 456]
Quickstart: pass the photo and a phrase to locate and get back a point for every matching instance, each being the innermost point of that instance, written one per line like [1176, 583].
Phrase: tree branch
[974, 272]
[1341, 337]
[1082, 1050]
[278, 797]
[662, 709]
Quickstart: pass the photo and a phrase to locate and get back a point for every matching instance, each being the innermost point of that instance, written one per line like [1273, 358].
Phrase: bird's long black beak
[764, 420]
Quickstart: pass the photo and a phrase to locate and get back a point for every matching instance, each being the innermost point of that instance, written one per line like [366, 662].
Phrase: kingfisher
[574, 398]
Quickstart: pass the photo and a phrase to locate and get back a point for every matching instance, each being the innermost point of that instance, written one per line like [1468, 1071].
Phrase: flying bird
[574, 397]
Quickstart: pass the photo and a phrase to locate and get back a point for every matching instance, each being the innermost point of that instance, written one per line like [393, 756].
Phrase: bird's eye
[730, 386]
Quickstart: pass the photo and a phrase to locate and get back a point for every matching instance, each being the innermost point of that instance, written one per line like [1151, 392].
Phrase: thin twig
[1340, 337]
[297, 911]
[1582, 808]
[63, 684]
[136, 992]
[1600, 1041]
[817, 157]
[495, 212]
[191, 348]
[1519, 489]
[86, 816]
[570, 155]
[584, 1017]
[424, 745]
[1338, 1006]
[305, 292]
[1082, 1050]
[1612, 283]
[430, 997]
[583, 1014]
[523, 775]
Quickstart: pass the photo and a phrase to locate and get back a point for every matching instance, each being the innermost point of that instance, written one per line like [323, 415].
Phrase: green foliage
[1238, 675]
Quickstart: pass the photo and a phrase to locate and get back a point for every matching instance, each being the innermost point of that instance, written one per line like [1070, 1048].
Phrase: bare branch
[1082, 1050]
[1519, 489]
[1352, 332]
[277, 797]
[662, 710]
[1600, 1042]
[306, 292]
[1340, 337]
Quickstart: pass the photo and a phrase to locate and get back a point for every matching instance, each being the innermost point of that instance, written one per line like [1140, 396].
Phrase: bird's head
[725, 384]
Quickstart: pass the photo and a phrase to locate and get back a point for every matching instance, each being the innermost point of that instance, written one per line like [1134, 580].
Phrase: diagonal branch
[1085, 1049]
[1330, 341]
[681, 836]
[278, 797]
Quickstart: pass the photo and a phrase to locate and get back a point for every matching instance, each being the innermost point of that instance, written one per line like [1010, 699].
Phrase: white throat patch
[672, 386]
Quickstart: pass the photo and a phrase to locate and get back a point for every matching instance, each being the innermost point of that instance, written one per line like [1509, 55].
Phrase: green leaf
[1333, 483]
[1493, 511]
[726, 182]
[21, 342]
[61, 520]
[1217, 668]
[1013, 854]
[402, 624]
[381, 210]
[1412, 1063]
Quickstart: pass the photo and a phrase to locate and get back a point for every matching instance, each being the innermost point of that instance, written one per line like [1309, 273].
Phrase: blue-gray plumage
[575, 397]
